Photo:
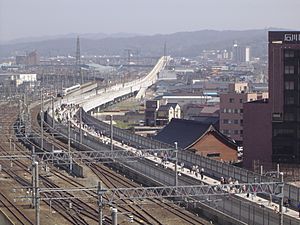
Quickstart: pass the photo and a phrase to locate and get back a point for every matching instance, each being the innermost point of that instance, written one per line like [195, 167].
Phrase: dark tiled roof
[173, 105]
[207, 120]
[164, 108]
[167, 106]
[185, 132]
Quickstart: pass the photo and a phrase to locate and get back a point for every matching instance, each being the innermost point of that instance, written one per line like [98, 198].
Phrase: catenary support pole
[37, 193]
[33, 176]
[114, 216]
[100, 203]
[281, 199]
[176, 164]
[261, 170]
[42, 120]
[69, 147]
[53, 113]
[111, 133]
[80, 125]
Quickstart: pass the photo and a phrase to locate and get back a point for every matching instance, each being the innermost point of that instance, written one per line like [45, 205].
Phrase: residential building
[29, 59]
[160, 115]
[202, 113]
[231, 109]
[150, 112]
[167, 112]
[248, 54]
[238, 53]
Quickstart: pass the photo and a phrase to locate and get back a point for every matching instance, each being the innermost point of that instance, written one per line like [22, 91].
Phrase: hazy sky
[26, 18]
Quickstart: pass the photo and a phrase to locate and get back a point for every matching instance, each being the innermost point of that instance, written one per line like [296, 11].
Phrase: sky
[34, 18]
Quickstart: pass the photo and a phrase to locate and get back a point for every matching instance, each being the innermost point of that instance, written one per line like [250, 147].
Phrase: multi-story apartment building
[231, 109]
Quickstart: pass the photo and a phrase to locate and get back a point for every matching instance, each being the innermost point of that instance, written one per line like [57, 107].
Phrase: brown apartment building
[231, 109]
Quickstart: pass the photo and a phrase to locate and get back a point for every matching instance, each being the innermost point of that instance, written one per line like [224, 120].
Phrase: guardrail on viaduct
[234, 206]
[214, 168]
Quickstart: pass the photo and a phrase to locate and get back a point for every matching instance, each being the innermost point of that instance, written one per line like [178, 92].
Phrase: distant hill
[178, 44]
[70, 35]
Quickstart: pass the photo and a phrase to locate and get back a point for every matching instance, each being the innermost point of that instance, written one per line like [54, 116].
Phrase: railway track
[15, 213]
[141, 215]
[7, 118]
[21, 167]
[117, 180]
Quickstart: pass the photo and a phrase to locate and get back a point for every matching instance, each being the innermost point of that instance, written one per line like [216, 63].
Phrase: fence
[214, 168]
[236, 207]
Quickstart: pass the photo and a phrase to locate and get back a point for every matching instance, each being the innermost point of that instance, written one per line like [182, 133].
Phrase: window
[236, 132]
[289, 100]
[212, 155]
[225, 121]
[241, 122]
[226, 132]
[236, 121]
[241, 100]
[289, 70]
[236, 111]
[241, 110]
[289, 116]
[289, 85]
[231, 100]
[289, 54]
[283, 132]
[277, 116]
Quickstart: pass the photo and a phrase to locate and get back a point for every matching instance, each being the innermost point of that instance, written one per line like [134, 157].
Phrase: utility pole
[111, 133]
[176, 164]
